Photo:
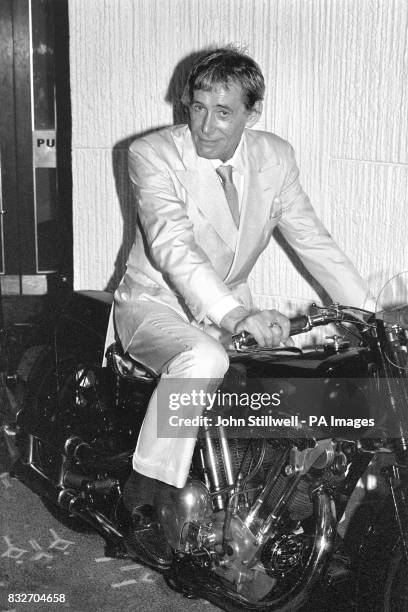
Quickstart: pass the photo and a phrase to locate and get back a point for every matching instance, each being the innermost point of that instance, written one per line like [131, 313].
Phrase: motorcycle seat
[126, 367]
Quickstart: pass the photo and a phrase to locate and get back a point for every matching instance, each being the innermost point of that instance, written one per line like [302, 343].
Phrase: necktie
[225, 172]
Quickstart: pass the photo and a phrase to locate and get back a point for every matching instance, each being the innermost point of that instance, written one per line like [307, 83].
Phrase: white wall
[337, 74]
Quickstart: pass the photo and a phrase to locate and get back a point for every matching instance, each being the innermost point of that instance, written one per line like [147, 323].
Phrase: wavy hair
[225, 66]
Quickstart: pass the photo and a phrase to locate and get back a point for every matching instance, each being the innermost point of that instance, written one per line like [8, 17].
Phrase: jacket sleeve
[312, 242]
[169, 235]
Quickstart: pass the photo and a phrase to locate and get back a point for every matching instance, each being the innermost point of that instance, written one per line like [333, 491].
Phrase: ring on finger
[275, 324]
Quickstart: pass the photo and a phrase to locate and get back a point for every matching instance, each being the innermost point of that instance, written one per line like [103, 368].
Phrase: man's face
[217, 120]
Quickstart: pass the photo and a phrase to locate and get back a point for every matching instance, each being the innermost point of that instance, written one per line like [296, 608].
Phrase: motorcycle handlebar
[298, 325]
[335, 313]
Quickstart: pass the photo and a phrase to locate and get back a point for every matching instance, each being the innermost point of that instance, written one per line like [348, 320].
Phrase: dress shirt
[238, 170]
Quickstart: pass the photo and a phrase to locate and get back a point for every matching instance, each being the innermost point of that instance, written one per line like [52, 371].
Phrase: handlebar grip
[299, 325]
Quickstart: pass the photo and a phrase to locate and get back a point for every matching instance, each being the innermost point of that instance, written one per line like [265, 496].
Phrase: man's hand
[268, 327]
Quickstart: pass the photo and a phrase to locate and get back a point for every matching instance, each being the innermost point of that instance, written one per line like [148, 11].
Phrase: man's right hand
[268, 327]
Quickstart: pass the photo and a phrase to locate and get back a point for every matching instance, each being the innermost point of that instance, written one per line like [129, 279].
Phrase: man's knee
[211, 359]
[205, 359]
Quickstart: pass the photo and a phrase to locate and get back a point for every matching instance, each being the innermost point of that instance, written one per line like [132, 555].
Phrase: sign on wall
[44, 149]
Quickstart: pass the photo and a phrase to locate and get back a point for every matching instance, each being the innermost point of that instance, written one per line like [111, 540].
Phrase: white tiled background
[337, 89]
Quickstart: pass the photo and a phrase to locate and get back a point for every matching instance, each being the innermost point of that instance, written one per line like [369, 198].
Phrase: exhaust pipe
[68, 501]
[83, 484]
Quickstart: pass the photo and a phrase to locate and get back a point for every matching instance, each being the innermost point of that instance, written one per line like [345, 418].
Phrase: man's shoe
[144, 538]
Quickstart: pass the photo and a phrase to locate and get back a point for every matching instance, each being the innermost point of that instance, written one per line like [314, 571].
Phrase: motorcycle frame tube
[226, 456]
[31, 463]
[397, 385]
[212, 468]
[400, 505]
[264, 530]
[203, 465]
[259, 502]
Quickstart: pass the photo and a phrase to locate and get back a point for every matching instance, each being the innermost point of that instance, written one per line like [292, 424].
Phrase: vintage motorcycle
[255, 528]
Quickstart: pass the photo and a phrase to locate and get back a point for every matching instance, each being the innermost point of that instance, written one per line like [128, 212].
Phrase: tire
[39, 421]
[39, 417]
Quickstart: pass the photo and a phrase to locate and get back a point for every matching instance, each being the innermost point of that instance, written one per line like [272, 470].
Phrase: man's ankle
[165, 493]
[138, 490]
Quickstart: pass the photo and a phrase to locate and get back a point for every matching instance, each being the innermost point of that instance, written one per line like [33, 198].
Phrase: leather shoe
[145, 539]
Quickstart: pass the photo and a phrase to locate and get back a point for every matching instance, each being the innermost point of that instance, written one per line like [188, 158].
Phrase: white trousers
[164, 342]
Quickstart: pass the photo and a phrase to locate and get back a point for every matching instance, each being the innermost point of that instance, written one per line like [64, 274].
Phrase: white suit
[188, 255]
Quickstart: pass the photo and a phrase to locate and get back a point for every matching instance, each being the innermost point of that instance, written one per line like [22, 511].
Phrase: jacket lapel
[262, 176]
[204, 188]
[260, 180]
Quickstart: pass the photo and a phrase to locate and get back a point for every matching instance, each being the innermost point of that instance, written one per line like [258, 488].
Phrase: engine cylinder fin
[300, 505]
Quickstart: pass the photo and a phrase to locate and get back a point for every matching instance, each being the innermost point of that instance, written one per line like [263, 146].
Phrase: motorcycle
[255, 527]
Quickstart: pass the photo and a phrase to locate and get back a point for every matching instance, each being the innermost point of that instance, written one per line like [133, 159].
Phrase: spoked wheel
[39, 421]
[44, 423]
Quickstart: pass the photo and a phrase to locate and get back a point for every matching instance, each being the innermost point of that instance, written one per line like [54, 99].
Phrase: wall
[336, 72]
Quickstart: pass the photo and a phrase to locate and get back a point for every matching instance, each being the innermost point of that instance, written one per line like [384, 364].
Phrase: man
[209, 196]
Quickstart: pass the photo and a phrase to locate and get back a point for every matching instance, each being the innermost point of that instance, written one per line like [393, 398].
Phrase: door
[35, 195]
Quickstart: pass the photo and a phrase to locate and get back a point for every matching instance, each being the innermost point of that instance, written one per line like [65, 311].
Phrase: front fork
[400, 501]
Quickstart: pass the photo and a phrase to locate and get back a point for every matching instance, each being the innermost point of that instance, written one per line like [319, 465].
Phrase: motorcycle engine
[193, 527]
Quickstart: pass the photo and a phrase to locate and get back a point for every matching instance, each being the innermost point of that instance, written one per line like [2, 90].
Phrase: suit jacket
[188, 253]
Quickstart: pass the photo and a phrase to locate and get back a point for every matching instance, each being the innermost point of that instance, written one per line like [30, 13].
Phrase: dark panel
[7, 140]
[42, 16]
[1, 245]
[25, 189]
[48, 238]
[63, 108]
